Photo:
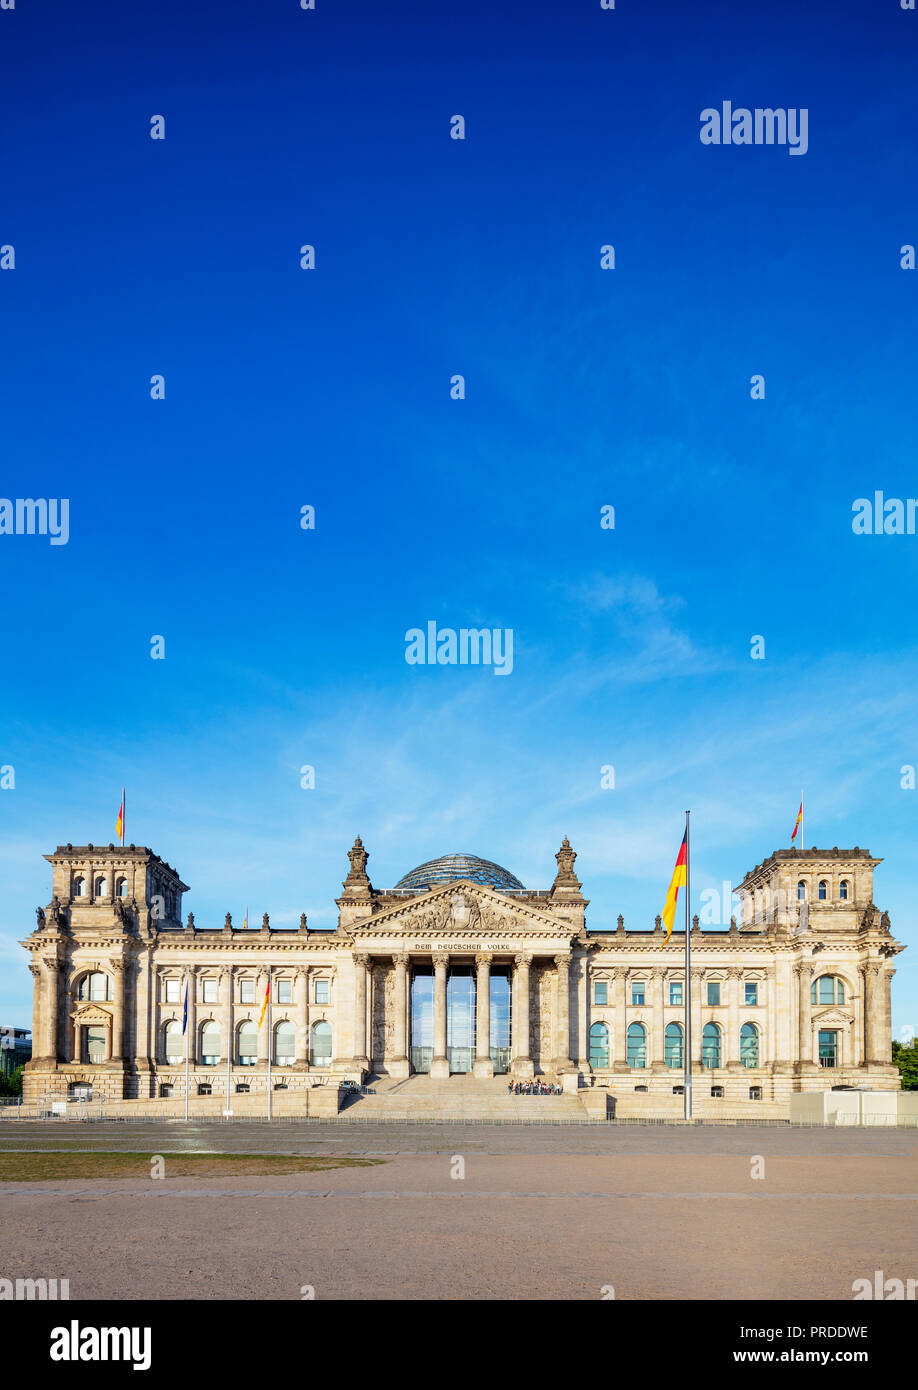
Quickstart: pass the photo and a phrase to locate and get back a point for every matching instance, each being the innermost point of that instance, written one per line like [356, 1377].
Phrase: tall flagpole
[687, 1060]
[229, 1043]
[802, 824]
[270, 1042]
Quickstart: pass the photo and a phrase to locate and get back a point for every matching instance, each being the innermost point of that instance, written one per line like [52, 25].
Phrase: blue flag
[185, 1014]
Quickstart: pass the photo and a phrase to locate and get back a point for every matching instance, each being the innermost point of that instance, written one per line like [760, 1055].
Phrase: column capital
[563, 962]
[440, 959]
[523, 961]
[402, 960]
[360, 958]
[483, 958]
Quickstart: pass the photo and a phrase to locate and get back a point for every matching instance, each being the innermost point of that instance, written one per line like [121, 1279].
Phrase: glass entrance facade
[500, 1020]
[460, 1018]
[422, 1019]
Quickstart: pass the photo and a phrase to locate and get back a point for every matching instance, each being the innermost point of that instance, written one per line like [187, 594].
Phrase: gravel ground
[539, 1213]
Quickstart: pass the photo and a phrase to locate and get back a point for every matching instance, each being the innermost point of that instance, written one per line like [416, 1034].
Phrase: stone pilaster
[561, 1061]
[118, 1048]
[361, 1060]
[803, 975]
[302, 1017]
[620, 1021]
[657, 1059]
[731, 1049]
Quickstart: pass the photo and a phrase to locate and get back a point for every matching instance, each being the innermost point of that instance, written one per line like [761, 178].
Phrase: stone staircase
[459, 1098]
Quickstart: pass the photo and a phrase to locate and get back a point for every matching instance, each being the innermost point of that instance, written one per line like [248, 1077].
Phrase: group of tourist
[533, 1088]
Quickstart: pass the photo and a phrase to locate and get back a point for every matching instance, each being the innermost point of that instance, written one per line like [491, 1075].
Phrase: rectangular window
[637, 992]
[600, 992]
[675, 992]
[285, 991]
[172, 991]
[209, 991]
[321, 991]
[713, 991]
[755, 1093]
[246, 991]
[752, 992]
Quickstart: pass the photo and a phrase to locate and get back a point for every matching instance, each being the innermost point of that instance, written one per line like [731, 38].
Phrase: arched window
[710, 1046]
[101, 886]
[320, 1054]
[828, 989]
[79, 887]
[121, 887]
[801, 891]
[94, 986]
[599, 1046]
[749, 1045]
[209, 1049]
[843, 889]
[823, 890]
[247, 1044]
[637, 1045]
[672, 1045]
[284, 1044]
[173, 1042]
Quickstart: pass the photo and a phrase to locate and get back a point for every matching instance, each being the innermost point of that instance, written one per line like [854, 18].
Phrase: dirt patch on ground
[45, 1167]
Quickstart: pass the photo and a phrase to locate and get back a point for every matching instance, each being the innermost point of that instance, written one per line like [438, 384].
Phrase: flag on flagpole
[245, 920]
[265, 1004]
[798, 822]
[185, 1014]
[677, 882]
[119, 827]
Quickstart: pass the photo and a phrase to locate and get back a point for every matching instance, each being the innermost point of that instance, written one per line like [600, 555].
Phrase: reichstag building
[458, 969]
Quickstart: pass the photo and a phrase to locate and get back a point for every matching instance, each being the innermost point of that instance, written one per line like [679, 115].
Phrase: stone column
[620, 1021]
[35, 968]
[803, 974]
[483, 1063]
[52, 1025]
[439, 1066]
[118, 1048]
[731, 1051]
[657, 1059]
[522, 1064]
[399, 1064]
[301, 1055]
[361, 1060]
[872, 1012]
[561, 1061]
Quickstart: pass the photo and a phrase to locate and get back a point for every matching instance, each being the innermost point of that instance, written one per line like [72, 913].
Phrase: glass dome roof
[452, 866]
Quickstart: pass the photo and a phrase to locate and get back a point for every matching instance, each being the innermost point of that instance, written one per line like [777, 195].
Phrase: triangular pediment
[832, 1016]
[462, 908]
[91, 1013]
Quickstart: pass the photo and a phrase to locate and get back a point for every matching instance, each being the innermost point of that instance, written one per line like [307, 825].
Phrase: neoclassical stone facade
[459, 968]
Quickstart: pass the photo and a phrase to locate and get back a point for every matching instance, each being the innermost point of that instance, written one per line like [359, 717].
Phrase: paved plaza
[476, 1212]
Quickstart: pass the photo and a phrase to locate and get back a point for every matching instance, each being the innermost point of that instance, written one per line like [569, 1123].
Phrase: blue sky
[331, 388]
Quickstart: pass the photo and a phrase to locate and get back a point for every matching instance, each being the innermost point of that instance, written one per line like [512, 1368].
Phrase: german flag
[677, 882]
[119, 827]
[799, 820]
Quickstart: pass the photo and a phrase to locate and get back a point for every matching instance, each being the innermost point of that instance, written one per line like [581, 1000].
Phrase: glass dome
[453, 866]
